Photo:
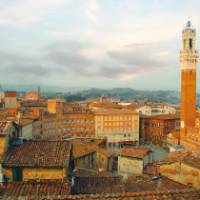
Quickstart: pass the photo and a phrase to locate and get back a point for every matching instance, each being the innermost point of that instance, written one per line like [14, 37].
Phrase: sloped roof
[36, 189]
[163, 117]
[182, 194]
[31, 96]
[38, 154]
[141, 183]
[192, 161]
[81, 148]
[176, 156]
[10, 93]
[134, 152]
[113, 111]
[103, 151]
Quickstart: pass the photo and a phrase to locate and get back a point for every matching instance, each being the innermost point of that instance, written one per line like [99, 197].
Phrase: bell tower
[188, 60]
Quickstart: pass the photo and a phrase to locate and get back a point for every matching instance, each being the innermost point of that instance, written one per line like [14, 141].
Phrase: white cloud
[92, 10]
[26, 12]
[110, 30]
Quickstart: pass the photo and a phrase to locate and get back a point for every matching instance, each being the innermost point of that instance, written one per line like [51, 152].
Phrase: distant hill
[126, 94]
[44, 88]
[79, 94]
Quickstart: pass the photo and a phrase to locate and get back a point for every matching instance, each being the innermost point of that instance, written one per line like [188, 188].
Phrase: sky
[94, 43]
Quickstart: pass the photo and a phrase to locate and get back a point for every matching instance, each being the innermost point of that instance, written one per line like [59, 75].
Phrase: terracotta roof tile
[10, 93]
[81, 148]
[145, 183]
[176, 156]
[192, 161]
[36, 189]
[133, 152]
[181, 194]
[103, 151]
[163, 117]
[31, 96]
[38, 154]
[94, 182]
[113, 111]
[185, 194]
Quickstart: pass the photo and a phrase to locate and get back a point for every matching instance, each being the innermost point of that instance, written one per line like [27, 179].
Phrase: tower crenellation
[188, 53]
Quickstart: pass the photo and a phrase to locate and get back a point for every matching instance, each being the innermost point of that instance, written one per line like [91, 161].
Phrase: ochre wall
[51, 106]
[130, 165]
[42, 173]
[8, 173]
[37, 173]
[101, 162]
[3, 145]
[182, 173]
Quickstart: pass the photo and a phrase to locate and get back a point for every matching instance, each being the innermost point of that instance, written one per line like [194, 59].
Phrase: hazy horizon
[54, 88]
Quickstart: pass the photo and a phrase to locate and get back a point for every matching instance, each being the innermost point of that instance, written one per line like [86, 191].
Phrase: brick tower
[188, 60]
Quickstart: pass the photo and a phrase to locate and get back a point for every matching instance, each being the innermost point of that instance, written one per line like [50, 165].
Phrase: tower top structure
[189, 24]
[189, 27]
[189, 53]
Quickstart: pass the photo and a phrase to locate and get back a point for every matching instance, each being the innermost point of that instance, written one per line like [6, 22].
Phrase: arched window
[190, 43]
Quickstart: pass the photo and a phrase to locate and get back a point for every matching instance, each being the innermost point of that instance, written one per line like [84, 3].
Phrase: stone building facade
[155, 129]
[117, 126]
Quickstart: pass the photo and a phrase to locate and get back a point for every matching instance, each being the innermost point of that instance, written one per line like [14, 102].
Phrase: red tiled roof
[181, 194]
[10, 94]
[113, 111]
[36, 189]
[31, 96]
[128, 142]
[163, 117]
[38, 154]
[176, 156]
[185, 194]
[183, 156]
[103, 151]
[93, 140]
[192, 161]
[81, 149]
[141, 183]
[91, 182]
[133, 152]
